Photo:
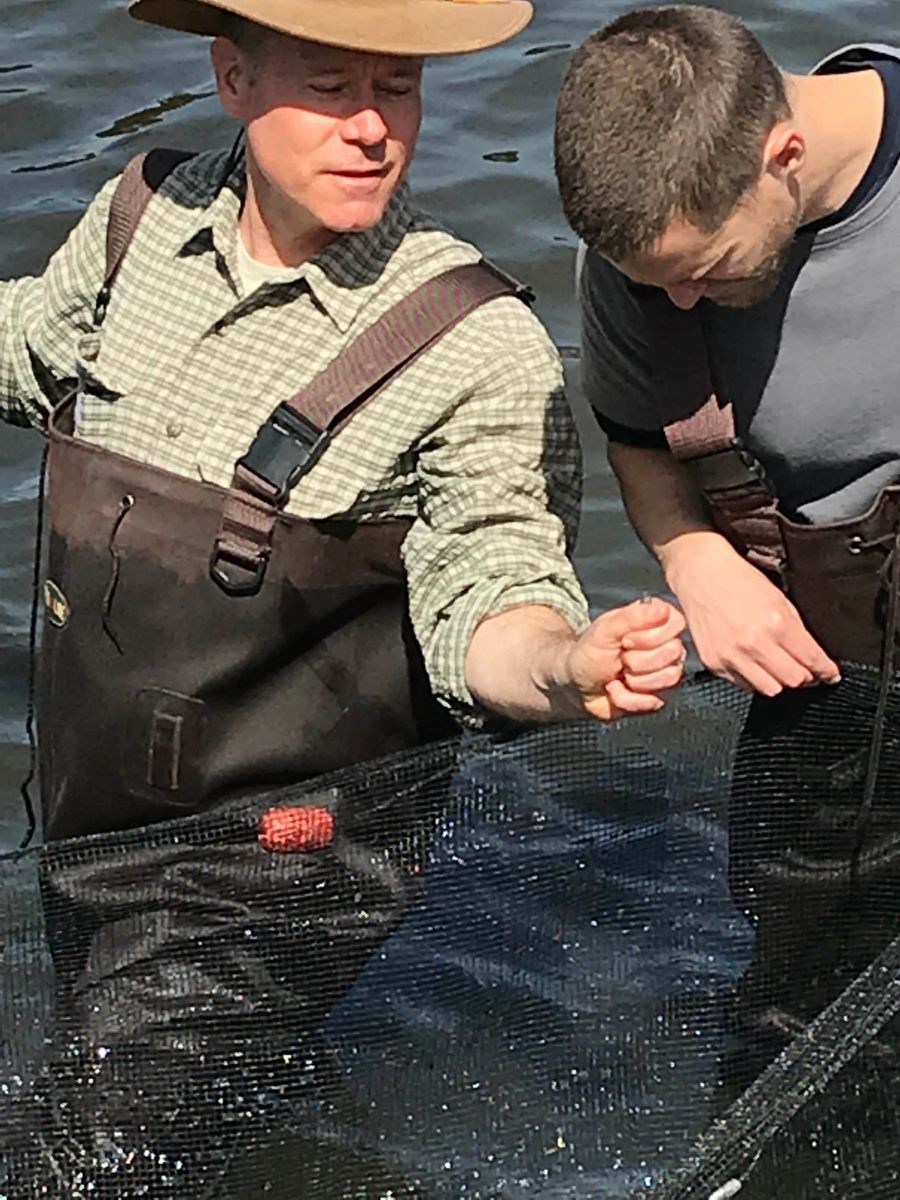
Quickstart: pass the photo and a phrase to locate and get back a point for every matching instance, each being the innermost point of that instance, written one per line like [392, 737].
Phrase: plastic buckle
[233, 576]
[284, 449]
[749, 460]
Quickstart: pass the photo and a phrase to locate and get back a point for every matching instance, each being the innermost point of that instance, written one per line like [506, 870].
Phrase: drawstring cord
[889, 576]
[25, 786]
[125, 506]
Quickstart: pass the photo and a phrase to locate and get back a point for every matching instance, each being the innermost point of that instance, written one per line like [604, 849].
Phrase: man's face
[331, 131]
[737, 266]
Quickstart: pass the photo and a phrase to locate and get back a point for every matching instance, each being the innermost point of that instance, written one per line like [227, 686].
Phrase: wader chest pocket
[164, 746]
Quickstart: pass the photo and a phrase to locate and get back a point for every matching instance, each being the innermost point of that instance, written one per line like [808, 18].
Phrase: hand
[626, 658]
[745, 629]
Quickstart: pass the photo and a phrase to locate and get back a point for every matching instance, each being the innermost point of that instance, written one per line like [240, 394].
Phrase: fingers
[624, 701]
[659, 631]
[643, 662]
[775, 666]
[655, 681]
[809, 654]
[642, 625]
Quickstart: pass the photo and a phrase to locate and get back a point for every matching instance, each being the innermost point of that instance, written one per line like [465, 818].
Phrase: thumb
[612, 627]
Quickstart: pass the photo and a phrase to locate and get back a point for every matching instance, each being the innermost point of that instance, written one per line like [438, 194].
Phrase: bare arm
[744, 627]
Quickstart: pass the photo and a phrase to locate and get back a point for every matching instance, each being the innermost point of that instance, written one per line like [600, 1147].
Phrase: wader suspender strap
[726, 473]
[288, 445]
[731, 480]
[140, 179]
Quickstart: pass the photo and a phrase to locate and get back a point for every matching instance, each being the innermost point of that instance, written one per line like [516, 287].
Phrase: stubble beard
[764, 281]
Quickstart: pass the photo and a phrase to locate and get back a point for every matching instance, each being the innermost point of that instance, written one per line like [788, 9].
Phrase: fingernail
[646, 599]
[833, 680]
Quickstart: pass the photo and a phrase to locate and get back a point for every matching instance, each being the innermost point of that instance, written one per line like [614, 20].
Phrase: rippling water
[83, 87]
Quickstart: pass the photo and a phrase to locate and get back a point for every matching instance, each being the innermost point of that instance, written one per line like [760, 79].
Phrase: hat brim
[424, 27]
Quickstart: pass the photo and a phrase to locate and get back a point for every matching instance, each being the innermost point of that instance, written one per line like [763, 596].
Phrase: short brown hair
[248, 35]
[663, 113]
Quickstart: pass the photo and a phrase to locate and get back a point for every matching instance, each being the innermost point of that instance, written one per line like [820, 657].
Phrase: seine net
[653, 959]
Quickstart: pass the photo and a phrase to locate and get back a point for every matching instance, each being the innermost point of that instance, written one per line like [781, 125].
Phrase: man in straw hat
[311, 470]
[298, 402]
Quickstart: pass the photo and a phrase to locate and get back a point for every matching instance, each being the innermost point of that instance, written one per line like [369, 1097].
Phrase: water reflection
[557, 46]
[51, 166]
[152, 115]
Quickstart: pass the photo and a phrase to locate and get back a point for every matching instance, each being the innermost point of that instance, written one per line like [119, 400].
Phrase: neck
[841, 118]
[274, 229]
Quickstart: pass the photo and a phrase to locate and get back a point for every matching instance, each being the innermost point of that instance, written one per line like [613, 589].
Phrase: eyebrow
[705, 276]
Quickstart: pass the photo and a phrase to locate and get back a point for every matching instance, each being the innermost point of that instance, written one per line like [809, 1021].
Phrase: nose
[366, 126]
[686, 295]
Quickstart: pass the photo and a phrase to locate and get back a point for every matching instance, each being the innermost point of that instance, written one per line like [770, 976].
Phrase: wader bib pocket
[163, 748]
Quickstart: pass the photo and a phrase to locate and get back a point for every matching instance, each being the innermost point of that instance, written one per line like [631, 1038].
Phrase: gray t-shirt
[813, 373]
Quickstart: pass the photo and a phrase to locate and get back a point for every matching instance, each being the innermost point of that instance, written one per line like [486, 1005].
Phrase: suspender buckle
[721, 470]
[284, 449]
[751, 463]
[234, 575]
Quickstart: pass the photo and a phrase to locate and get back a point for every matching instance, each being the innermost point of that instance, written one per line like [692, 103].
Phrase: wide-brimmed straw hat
[416, 27]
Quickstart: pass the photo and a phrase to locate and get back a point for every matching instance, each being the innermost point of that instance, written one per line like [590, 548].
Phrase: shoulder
[195, 182]
[179, 200]
[503, 334]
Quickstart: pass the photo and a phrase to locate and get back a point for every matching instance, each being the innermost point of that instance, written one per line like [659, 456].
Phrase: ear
[233, 76]
[784, 152]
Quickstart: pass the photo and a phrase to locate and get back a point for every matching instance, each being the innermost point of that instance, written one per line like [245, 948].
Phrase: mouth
[368, 174]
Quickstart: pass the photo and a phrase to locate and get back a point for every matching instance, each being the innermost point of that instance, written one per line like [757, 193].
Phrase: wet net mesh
[655, 959]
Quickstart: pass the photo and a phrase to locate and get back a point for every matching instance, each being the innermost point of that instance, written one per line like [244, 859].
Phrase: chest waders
[199, 642]
[201, 646]
[814, 837]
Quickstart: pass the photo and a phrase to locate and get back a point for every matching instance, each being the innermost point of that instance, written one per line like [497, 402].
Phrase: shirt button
[174, 429]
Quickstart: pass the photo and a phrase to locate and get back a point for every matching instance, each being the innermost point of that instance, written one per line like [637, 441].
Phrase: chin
[354, 218]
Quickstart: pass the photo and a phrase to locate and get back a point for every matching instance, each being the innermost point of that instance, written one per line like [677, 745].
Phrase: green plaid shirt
[474, 441]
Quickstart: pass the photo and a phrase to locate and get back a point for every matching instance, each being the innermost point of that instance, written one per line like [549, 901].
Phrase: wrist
[689, 551]
[552, 675]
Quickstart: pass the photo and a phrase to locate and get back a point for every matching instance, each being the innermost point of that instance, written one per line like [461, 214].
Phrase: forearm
[516, 665]
[667, 512]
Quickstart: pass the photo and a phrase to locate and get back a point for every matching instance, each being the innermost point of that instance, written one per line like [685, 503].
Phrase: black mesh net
[654, 959]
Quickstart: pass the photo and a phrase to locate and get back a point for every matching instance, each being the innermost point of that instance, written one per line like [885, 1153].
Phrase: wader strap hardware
[289, 443]
[243, 545]
[734, 467]
[732, 481]
[284, 449]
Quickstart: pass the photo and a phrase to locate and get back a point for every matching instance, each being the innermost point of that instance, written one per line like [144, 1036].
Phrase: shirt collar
[342, 277]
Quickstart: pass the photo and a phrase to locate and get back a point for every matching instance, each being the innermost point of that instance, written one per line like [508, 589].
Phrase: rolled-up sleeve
[499, 498]
[41, 318]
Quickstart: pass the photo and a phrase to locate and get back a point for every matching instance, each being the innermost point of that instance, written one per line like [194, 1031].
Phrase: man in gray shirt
[742, 233]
